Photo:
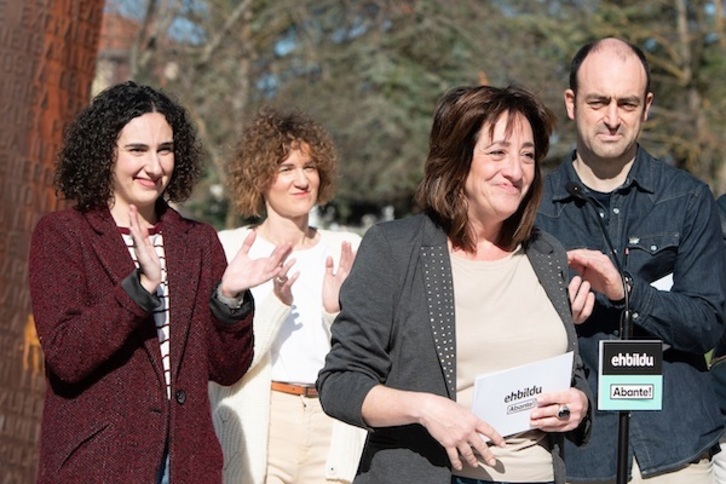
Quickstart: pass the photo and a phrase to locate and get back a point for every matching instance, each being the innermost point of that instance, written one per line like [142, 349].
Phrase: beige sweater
[241, 412]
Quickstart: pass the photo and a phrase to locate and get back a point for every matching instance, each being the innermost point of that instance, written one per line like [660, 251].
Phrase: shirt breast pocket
[652, 257]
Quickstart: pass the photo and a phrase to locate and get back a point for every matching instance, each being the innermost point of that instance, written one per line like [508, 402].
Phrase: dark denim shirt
[718, 368]
[666, 222]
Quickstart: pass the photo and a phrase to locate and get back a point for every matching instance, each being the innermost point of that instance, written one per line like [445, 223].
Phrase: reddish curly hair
[264, 144]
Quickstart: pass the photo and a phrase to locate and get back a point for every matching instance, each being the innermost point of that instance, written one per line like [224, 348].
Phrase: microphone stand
[626, 331]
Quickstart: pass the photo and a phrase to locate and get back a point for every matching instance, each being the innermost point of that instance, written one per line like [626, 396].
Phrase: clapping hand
[244, 272]
[582, 299]
[333, 281]
[597, 269]
[282, 284]
[149, 263]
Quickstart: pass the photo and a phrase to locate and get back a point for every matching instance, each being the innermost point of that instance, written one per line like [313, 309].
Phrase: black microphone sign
[630, 375]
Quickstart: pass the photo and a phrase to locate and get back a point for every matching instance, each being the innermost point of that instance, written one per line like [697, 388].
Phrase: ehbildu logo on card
[641, 359]
[521, 406]
[630, 375]
[634, 359]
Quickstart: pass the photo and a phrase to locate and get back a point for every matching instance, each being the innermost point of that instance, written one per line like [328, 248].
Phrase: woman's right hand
[149, 262]
[458, 430]
[244, 273]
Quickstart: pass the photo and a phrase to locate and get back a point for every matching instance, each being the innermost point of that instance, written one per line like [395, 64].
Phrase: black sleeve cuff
[146, 301]
[227, 314]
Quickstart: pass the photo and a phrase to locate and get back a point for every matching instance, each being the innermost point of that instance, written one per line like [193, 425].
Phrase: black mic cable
[578, 192]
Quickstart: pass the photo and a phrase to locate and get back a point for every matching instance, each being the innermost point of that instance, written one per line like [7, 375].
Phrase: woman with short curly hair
[134, 305]
[269, 139]
[271, 425]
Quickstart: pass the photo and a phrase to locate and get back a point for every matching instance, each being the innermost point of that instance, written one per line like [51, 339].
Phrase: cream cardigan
[241, 412]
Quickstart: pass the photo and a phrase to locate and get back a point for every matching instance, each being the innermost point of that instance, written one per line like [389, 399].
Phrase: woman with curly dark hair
[135, 307]
[271, 425]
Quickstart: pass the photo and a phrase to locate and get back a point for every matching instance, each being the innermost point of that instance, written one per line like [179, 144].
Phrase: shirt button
[635, 315]
[616, 332]
[616, 211]
[181, 397]
[653, 248]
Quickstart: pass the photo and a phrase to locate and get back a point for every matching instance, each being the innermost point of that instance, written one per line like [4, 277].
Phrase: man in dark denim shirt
[665, 228]
[718, 370]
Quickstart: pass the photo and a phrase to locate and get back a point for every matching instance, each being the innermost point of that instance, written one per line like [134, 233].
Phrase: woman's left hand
[332, 282]
[559, 411]
[582, 299]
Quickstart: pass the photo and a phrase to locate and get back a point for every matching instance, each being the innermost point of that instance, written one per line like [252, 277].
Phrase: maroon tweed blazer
[106, 416]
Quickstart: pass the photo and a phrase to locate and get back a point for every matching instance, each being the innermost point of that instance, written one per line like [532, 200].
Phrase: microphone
[577, 191]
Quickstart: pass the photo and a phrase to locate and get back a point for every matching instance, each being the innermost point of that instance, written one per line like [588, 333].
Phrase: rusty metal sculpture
[47, 63]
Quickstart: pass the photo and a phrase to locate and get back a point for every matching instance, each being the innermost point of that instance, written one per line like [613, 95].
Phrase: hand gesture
[458, 431]
[282, 285]
[244, 273]
[582, 299]
[597, 269]
[332, 282]
[145, 253]
[559, 411]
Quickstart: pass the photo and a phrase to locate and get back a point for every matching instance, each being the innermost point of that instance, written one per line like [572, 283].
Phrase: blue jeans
[468, 480]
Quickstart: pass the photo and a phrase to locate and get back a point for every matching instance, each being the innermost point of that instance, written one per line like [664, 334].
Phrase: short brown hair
[458, 121]
[268, 141]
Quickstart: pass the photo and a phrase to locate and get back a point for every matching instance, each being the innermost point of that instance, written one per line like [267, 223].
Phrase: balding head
[614, 46]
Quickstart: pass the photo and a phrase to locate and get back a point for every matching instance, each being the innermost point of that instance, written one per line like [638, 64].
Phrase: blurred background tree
[372, 70]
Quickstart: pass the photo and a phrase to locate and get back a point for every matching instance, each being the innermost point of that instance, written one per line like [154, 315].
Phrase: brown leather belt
[308, 391]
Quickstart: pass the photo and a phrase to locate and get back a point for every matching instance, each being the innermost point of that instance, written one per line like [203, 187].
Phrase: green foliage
[372, 71]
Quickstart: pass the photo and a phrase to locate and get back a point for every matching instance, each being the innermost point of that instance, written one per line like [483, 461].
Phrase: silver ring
[563, 413]
[280, 280]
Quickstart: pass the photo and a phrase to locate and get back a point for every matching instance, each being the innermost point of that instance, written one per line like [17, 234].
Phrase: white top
[241, 412]
[298, 352]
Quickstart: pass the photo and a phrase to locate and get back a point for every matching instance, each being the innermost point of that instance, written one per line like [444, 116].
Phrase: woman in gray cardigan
[467, 287]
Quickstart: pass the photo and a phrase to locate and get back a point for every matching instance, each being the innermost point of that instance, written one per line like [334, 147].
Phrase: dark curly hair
[264, 144]
[459, 119]
[84, 166]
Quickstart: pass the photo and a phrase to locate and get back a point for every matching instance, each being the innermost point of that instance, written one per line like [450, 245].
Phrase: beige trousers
[299, 440]
[700, 472]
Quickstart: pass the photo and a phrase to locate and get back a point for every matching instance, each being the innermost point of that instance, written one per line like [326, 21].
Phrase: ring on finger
[280, 280]
[563, 413]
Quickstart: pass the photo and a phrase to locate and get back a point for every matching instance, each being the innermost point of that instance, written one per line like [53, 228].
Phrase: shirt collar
[640, 175]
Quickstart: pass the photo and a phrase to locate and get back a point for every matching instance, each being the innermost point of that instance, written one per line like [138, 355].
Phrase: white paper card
[664, 283]
[505, 399]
